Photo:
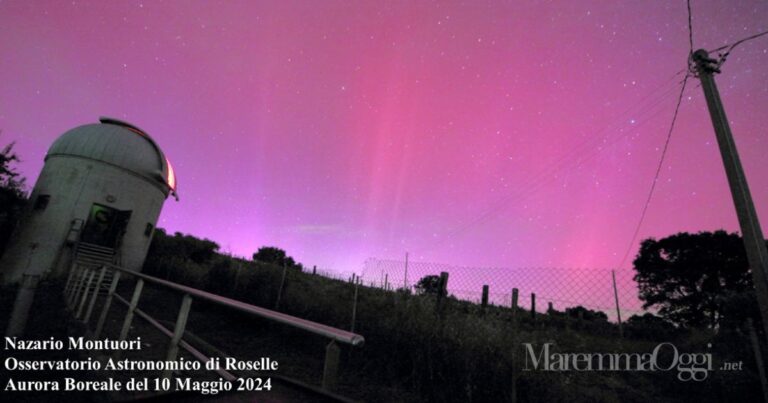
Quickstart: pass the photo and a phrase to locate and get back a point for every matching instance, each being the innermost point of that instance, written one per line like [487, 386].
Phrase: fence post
[282, 284]
[88, 312]
[237, 276]
[354, 310]
[314, 270]
[405, 278]
[514, 306]
[515, 294]
[331, 366]
[386, 282]
[616, 297]
[484, 300]
[550, 309]
[129, 315]
[178, 332]
[758, 358]
[105, 308]
[22, 305]
[86, 290]
[533, 305]
[442, 292]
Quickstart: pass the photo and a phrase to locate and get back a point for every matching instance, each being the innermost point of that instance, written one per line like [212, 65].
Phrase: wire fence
[591, 288]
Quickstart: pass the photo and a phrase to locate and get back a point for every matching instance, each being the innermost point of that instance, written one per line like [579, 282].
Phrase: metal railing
[84, 283]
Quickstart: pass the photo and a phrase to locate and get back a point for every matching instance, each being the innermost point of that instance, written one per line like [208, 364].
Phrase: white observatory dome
[120, 144]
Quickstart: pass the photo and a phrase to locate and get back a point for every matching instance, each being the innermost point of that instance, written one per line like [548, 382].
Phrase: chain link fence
[591, 288]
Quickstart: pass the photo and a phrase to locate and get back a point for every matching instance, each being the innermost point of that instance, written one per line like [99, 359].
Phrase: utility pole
[282, 284]
[754, 242]
[616, 298]
[405, 278]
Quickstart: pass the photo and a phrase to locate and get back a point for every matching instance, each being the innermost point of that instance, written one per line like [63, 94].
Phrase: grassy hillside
[411, 354]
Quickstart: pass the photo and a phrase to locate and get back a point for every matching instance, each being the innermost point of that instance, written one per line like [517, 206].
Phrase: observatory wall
[63, 200]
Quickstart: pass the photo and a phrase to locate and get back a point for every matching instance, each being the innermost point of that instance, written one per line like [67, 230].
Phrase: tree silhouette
[649, 326]
[12, 194]
[182, 246]
[429, 284]
[586, 314]
[276, 256]
[694, 279]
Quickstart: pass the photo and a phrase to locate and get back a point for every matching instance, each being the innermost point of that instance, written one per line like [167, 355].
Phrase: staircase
[89, 257]
[88, 254]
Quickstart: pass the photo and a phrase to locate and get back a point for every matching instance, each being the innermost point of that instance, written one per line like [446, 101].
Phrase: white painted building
[103, 186]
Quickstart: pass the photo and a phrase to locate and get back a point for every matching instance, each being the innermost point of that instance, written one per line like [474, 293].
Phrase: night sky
[472, 133]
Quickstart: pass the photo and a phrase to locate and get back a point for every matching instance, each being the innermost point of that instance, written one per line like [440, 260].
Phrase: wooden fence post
[533, 305]
[354, 309]
[550, 309]
[484, 300]
[442, 292]
[515, 374]
[514, 306]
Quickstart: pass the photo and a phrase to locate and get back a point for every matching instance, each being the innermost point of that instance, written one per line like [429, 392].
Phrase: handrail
[313, 327]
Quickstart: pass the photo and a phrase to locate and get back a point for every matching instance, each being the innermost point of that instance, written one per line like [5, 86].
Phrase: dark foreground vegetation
[48, 320]
[465, 354]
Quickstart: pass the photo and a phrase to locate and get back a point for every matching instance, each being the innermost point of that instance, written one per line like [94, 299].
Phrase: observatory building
[96, 201]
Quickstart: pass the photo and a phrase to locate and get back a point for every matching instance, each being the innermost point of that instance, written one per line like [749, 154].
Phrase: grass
[411, 354]
[470, 354]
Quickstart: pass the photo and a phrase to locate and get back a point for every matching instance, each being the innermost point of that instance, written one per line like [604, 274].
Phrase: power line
[576, 155]
[730, 48]
[690, 30]
[739, 42]
[503, 202]
[691, 69]
[658, 171]
[536, 182]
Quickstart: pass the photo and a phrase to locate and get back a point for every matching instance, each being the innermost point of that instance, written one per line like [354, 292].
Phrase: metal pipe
[107, 304]
[88, 312]
[86, 291]
[312, 327]
[183, 344]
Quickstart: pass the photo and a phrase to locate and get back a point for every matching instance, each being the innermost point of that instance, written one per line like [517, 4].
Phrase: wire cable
[658, 172]
[724, 56]
[577, 156]
[690, 30]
